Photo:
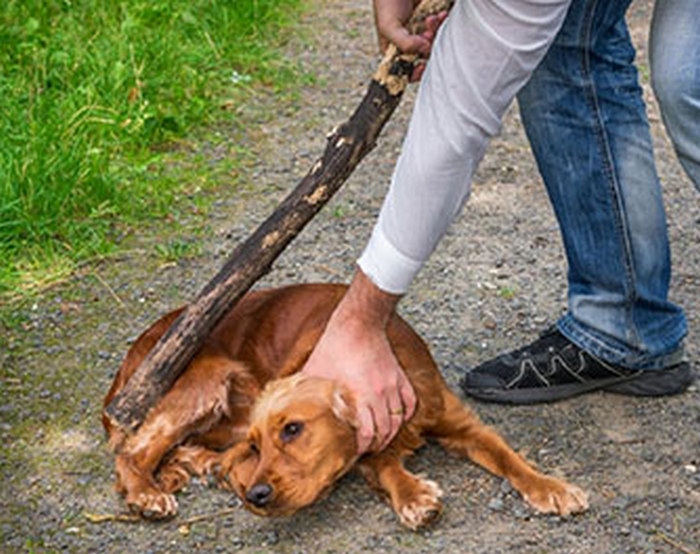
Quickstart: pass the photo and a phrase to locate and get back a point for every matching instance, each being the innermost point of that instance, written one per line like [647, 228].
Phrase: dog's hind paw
[153, 504]
[422, 506]
[549, 495]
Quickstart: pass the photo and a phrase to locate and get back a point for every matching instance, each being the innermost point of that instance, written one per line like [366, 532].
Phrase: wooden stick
[347, 145]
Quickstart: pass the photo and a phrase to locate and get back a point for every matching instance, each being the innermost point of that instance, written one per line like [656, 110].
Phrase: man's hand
[354, 350]
[391, 17]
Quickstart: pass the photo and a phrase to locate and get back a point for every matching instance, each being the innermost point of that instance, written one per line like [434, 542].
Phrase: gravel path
[497, 278]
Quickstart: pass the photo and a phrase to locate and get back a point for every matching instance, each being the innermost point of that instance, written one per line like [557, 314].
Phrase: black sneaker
[553, 368]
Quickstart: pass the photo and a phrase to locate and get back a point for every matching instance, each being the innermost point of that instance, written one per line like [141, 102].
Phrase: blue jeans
[585, 117]
[674, 51]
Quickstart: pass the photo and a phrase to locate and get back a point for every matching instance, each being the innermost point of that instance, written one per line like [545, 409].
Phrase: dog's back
[273, 331]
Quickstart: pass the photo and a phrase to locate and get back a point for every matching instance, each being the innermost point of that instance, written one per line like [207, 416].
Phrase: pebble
[271, 538]
[83, 479]
[496, 504]
[506, 487]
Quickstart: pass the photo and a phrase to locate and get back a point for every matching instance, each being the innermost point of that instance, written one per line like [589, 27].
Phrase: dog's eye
[291, 431]
[254, 448]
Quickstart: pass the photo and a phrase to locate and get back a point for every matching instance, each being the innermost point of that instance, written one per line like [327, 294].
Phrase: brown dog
[280, 439]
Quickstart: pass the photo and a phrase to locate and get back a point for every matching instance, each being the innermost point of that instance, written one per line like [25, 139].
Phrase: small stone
[83, 479]
[506, 487]
[496, 504]
[690, 469]
[625, 531]
[271, 538]
[212, 481]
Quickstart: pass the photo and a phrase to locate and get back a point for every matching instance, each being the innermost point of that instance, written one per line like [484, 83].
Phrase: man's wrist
[366, 304]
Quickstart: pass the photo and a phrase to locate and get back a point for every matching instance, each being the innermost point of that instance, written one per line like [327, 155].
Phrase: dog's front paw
[549, 495]
[152, 504]
[421, 505]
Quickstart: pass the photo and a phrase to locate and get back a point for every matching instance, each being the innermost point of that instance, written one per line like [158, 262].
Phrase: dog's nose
[259, 494]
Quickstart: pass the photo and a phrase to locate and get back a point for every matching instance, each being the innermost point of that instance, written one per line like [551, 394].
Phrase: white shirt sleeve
[483, 55]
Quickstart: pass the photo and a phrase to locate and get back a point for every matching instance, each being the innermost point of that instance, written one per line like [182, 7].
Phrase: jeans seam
[583, 337]
[609, 170]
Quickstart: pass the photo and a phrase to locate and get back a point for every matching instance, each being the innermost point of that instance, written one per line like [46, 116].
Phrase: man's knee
[675, 87]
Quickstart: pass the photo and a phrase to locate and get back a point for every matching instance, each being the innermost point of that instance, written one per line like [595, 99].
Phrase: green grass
[91, 91]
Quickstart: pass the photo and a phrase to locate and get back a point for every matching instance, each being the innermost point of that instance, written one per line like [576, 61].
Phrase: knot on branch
[394, 70]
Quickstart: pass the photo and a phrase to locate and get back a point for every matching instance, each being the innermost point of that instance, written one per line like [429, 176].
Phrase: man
[583, 112]
[586, 121]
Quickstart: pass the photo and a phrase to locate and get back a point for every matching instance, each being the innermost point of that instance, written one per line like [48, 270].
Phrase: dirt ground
[497, 279]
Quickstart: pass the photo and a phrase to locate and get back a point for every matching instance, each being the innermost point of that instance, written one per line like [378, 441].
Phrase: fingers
[401, 407]
[417, 72]
[365, 432]
[380, 422]
[408, 398]
[406, 42]
[395, 411]
[383, 426]
[432, 24]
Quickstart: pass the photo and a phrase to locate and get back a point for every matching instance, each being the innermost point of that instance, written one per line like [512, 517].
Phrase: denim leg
[674, 47]
[585, 117]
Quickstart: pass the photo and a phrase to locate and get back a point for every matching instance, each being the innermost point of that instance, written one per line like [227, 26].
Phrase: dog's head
[301, 439]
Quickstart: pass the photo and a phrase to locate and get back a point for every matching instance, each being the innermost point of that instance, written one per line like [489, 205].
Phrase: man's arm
[354, 348]
[486, 52]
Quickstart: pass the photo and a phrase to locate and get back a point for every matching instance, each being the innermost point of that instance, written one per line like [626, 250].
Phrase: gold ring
[396, 412]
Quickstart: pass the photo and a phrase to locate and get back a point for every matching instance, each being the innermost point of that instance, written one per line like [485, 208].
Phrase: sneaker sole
[665, 382]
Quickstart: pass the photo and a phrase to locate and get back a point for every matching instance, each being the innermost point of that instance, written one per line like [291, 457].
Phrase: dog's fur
[242, 413]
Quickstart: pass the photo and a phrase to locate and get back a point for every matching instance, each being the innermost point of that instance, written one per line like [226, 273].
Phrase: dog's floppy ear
[343, 406]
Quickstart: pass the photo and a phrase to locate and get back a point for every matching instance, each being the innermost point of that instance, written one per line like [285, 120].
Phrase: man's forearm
[484, 53]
